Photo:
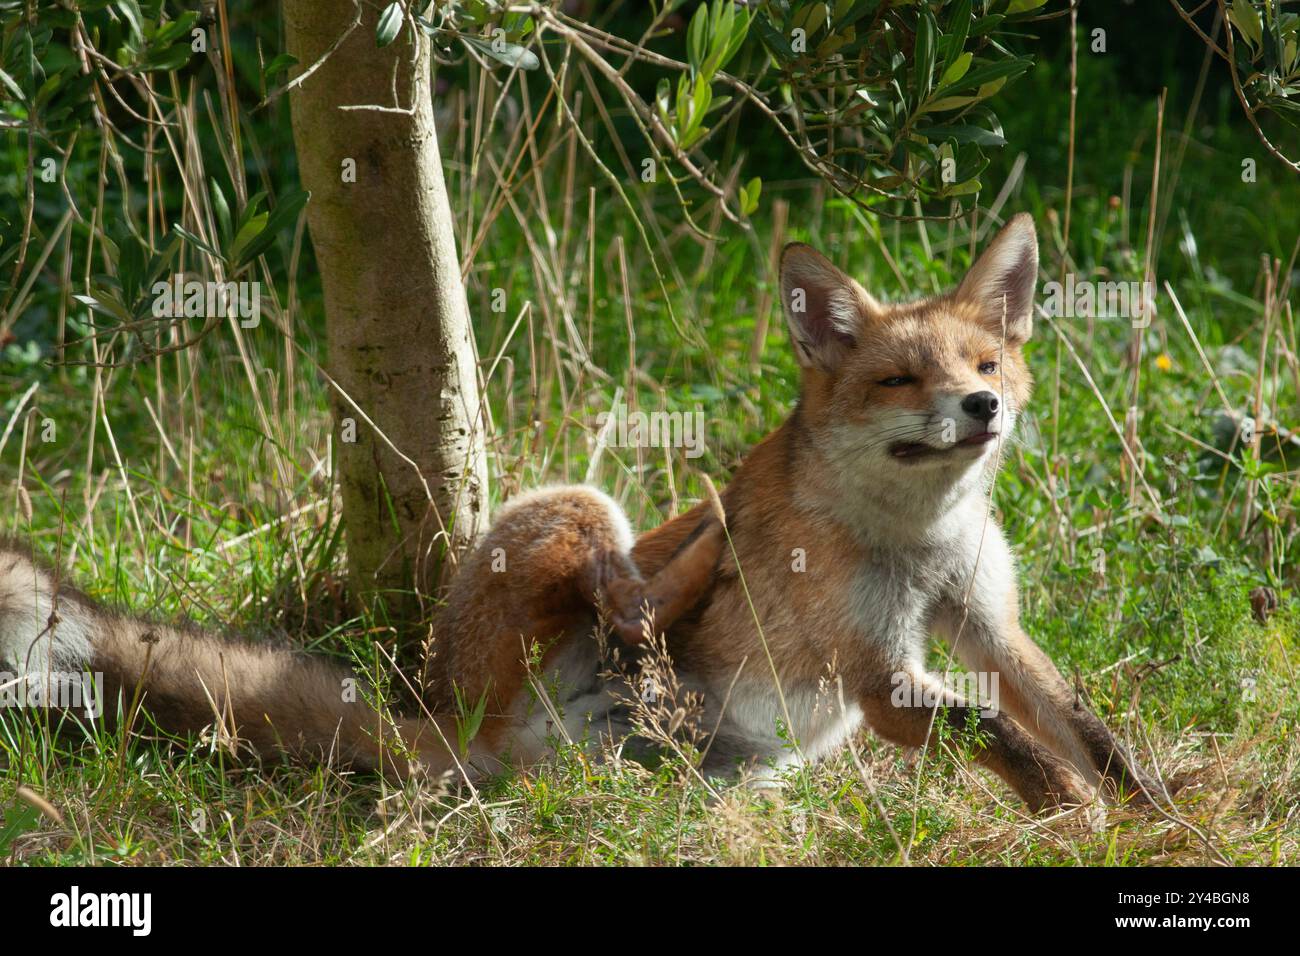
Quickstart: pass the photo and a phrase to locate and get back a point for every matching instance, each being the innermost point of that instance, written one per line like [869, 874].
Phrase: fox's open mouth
[916, 449]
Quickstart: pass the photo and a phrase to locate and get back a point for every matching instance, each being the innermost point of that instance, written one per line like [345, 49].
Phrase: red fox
[849, 536]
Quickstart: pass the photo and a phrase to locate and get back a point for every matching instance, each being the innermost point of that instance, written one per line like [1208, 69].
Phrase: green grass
[1162, 642]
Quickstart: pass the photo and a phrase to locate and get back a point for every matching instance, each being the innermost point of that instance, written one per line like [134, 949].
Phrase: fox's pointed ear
[1006, 270]
[824, 308]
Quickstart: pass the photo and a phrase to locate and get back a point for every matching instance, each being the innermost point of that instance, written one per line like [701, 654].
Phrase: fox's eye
[988, 368]
[897, 380]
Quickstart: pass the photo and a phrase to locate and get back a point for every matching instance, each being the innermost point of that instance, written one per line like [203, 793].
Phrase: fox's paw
[629, 612]
[1062, 788]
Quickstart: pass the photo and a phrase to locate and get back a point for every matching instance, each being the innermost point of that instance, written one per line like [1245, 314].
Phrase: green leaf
[942, 104]
[47, 90]
[923, 55]
[697, 38]
[749, 194]
[281, 62]
[130, 11]
[849, 12]
[726, 33]
[664, 98]
[17, 821]
[985, 72]
[811, 19]
[12, 86]
[946, 103]
[959, 24]
[161, 259]
[196, 241]
[692, 104]
[1245, 18]
[774, 40]
[983, 25]
[222, 210]
[963, 134]
[104, 301]
[963, 189]
[511, 54]
[284, 215]
[390, 24]
[739, 30]
[247, 233]
[865, 95]
[250, 208]
[468, 719]
[168, 58]
[175, 29]
[682, 107]
[130, 266]
[956, 70]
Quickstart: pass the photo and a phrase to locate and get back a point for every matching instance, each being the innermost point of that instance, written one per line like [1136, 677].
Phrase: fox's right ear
[824, 308]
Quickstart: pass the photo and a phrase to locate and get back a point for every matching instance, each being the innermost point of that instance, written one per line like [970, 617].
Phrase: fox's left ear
[1007, 269]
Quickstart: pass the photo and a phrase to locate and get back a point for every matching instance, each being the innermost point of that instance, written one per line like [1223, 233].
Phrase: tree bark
[399, 339]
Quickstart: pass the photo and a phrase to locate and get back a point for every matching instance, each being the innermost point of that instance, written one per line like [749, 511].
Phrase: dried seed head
[34, 799]
[675, 722]
[715, 500]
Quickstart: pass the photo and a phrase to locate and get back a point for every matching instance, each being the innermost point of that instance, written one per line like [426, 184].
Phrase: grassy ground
[198, 485]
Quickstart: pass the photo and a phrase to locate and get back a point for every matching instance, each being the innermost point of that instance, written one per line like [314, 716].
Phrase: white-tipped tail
[40, 632]
[273, 699]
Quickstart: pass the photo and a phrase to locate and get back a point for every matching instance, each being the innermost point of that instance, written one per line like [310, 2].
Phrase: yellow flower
[1163, 362]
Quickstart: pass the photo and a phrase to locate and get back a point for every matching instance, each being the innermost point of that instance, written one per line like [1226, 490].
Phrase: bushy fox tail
[277, 701]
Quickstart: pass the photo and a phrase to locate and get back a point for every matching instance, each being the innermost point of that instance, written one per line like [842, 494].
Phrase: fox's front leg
[980, 621]
[1032, 690]
[1041, 778]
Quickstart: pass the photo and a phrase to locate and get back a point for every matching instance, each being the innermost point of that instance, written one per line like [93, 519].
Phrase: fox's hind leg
[635, 605]
[528, 594]
[526, 587]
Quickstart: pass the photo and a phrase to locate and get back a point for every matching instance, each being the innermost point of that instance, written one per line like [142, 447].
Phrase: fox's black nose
[980, 405]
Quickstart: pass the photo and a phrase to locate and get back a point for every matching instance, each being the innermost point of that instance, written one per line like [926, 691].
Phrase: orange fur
[852, 533]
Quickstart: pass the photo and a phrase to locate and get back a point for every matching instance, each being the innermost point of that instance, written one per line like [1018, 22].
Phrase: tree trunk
[414, 483]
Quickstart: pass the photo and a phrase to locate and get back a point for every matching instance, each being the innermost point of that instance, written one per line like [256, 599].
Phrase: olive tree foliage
[1261, 49]
[887, 100]
[142, 108]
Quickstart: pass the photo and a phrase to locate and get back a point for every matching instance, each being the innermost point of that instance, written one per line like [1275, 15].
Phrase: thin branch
[1245, 103]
